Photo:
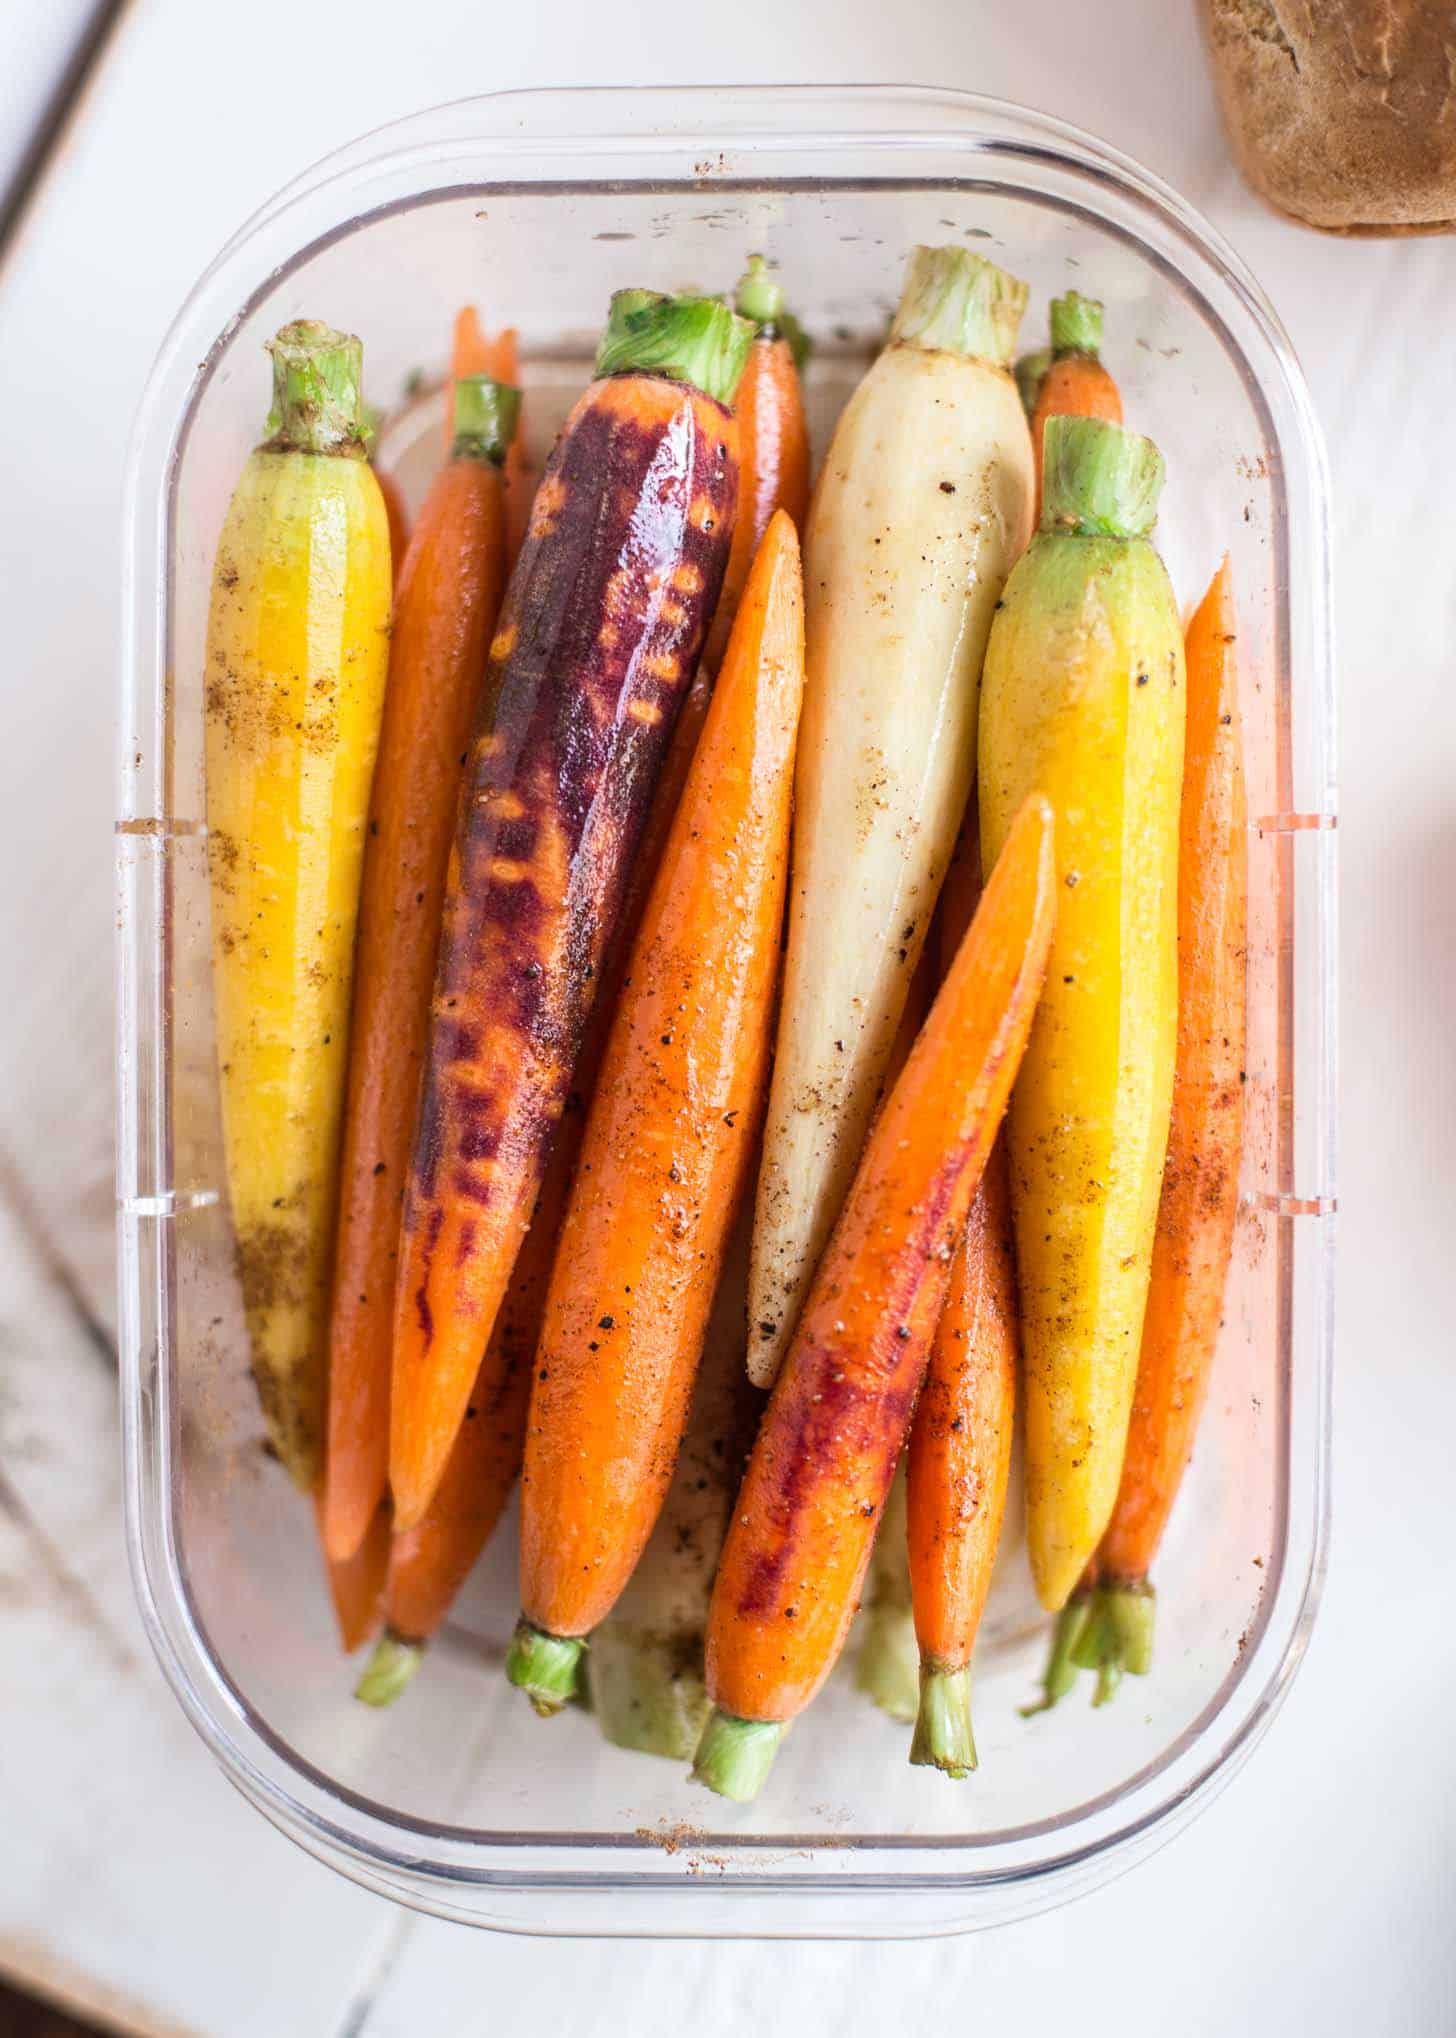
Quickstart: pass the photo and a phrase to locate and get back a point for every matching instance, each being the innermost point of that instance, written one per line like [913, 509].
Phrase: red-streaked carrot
[821, 1467]
[667, 1151]
[445, 611]
[598, 639]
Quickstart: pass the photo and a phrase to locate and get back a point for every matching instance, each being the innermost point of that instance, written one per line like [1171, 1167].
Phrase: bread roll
[1342, 112]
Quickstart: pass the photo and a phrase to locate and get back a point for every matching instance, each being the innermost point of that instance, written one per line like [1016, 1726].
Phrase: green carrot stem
[1131, 1614]
[959, 302]
[887, 1667]
[390, 1668]
[943, 1737]
[484, 418]
[758, 296]
[647, 1691]
[544, 1666]
[734, 1755]
[685, 339]
[1099, 480]
[318, 404]
[1076, 325]
[1061, 1670]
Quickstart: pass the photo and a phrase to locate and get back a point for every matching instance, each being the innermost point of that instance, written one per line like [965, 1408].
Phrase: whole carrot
[666, 1156]
[1074, 382]
[445, 610]
[602, 625]
[959, 1458]
[773, 439]
[475, 352]
[431, 1562]
[1193, 1243]
[297, 659]
[821, 1467]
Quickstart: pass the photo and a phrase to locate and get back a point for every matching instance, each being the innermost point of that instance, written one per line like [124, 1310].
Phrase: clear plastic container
[459, 1801]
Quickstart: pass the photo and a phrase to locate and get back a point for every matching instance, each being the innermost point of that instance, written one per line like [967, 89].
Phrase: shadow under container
[536, 206]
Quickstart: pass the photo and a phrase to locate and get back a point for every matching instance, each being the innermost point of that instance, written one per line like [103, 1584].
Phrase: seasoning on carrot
[1074, 383]
[474, 352]
[645, 1664]
[445, 611]
[297, 650]
[805, 1520]
[356, 1586]
[597, 641]
[922, 508]
[773, 438]
[666, 1155]
[1082, 698]
[1193, 1243]
[959, 1458]
[887, 1661]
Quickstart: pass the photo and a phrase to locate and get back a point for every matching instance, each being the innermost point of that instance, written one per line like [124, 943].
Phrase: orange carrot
[1075, 384]
[666, 1156]
[773, 440]
[1193, 1243]
[473, 352]
[602, 625]
[959, 1458]
[805, 1519]
[429, 1564]
[356, 1586]
[445, 611]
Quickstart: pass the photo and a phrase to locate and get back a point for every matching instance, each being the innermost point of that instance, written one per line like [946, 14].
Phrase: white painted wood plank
[132, 1880]
[37, 38]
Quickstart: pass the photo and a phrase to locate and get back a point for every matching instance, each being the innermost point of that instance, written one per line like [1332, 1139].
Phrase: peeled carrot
[1193, 1243]
[475, 352]
[817, 1481]
[603, 622]
[445, 610]
[773, 439]
[667, 1152]
[1074, 383]
[356, 1586]
[959, 1459]
[430, 1563]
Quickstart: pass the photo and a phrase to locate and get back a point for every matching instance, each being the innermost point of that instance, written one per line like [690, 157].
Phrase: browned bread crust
[1342, 112]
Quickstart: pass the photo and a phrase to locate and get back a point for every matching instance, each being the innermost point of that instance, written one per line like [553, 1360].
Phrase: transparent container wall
[460, 1798]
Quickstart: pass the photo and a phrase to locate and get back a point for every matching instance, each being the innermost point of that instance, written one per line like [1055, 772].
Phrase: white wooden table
[1317, 1892]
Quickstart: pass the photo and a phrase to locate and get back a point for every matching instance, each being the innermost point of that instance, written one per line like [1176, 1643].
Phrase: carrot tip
[887, 1667]
[544, 1666]
[943, 1738]
[735, 1755]
[390, 1668]
[1062, 1664]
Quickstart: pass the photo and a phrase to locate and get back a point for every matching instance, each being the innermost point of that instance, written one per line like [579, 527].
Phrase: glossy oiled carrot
[431, 1562]
[475, 352]
[444, 613]
[1193, 1243]
[805, 1518]
[356, 1586]
[599, 636]
[773, 440]
[959, 1458]
[667, 1150]
[1075, 383]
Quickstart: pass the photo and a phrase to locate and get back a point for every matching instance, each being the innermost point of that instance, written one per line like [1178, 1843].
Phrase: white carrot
[924, 505]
